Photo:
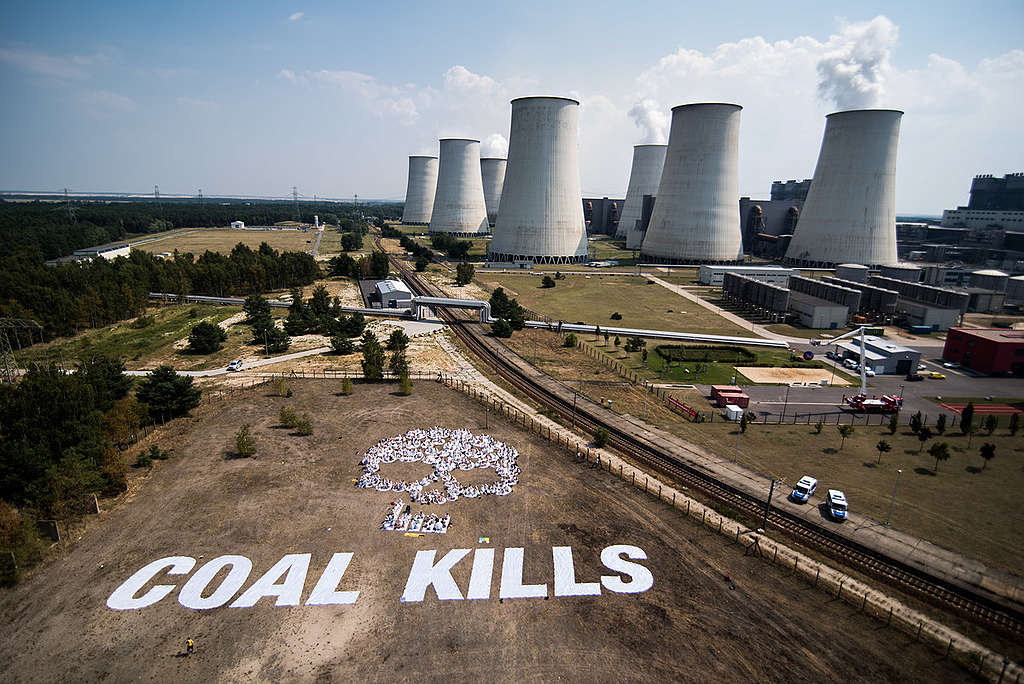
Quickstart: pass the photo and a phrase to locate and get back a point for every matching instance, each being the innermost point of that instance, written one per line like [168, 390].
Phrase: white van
[837, 505]
[804, 489]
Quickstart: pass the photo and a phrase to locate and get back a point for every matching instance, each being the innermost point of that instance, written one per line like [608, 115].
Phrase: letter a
[289, 592]
[424, 573]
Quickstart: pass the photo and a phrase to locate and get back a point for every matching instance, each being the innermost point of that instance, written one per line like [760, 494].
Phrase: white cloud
[33, 61]
[494, 145]
[105, 102]
[381, 99]
[286, 74]
[296, 16]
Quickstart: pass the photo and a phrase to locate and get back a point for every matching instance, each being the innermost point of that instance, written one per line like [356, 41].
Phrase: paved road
[246, 366]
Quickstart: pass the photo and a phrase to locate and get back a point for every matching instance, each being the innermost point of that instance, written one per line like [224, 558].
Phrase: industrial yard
[711, 608]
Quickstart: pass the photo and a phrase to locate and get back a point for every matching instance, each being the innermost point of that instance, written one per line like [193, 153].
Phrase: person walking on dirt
[190, 647]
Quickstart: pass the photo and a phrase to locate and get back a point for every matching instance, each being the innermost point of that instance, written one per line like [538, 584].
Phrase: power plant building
[540, 217]
[419, 193]
[850, 212]
[696, 215]
[601, 215]
[644, 178]
[492, 170]
[768, 225]
[459, 206]
[714, 275]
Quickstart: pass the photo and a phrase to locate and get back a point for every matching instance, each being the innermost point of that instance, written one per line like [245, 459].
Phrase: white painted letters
[565, 575]
[191, 595]
[123, 597]
[289, 592]
[480, 579]
[640, 577]
[325, 592]
[424, 573]
[512, 578]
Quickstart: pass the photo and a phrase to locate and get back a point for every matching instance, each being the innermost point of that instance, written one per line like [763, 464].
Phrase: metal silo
[540, 217]
[419, 193]
[459, 201]
[850, 212]
[492, 169]
[644, 177]
[696, 214]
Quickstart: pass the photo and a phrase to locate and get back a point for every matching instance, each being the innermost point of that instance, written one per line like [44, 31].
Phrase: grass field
[476, 252]
[593, 299]
[928, 505]
[223, 240]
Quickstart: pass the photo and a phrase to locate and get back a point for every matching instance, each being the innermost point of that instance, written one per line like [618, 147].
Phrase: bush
[206, 338]
[547, 282]
[304, 426]
[342, 345]
[143, 322]
[346, 387]
[817, 427]
[616, 316]
[287, 417]
[245, 447]
[464, 273]
[143, 460]
[19, 537]
[405, 385]
[570, 340]
[501, 328]
[421, 264]
[281, 388]
[601, 436]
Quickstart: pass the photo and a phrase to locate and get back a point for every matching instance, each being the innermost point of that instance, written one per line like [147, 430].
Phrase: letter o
[191, 595]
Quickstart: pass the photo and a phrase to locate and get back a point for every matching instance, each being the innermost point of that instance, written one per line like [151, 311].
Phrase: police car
[235, 365]
[804, 489]
[837, 507]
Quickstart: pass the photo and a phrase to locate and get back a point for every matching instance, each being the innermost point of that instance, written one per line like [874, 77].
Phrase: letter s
[123, 597]
[640, 577]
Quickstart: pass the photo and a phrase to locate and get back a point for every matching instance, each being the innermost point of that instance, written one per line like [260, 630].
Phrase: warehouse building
[936, 307]
[881, 355]
[713, 275]
[765, 298]
[837, 294]
[391, 294]
[873, 300]
[990, 351]
[813, 312]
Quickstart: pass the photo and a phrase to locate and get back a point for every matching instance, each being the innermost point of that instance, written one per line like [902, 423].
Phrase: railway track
[647, 449]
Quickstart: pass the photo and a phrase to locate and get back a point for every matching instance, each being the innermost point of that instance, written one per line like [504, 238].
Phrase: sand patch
[785, 376]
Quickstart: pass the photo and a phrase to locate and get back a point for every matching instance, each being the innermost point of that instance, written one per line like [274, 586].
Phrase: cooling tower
[459, 201]
[644, 178]
[850, 212]
[492, 169]
[697, 214]
[540, 217]
[419, 193]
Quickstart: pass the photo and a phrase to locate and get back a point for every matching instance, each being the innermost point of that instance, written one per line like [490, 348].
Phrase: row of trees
[455, 248]
[69, 297]
[372, 266]
[61, 437]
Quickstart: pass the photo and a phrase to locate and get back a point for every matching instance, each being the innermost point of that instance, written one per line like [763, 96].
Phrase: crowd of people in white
[445, 450]
[403, 521]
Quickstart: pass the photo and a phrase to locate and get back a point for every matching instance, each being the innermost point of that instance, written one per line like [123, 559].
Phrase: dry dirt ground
[297, 496]
[787, 375]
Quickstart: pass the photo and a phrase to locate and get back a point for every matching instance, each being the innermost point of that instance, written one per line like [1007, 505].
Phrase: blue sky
[253, 98]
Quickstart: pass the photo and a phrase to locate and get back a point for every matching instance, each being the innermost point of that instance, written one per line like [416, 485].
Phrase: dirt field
[297, 497]
[223, 240]
[788, 375]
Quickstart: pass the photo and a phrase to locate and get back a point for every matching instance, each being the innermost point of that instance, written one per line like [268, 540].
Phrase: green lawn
[594, 298]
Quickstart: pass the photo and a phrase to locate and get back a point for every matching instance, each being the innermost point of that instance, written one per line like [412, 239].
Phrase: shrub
[281, 388]
[143, 460]
[342, 345]
[616, 316]
[245, 447]
[157, 455]
[287, 417]
[501, 328]
[143, 322]
[421, 264]
[193, 312]
[206, 338]
[601, 437]
[405, 385]
[346, 387]
[547, 282]
[817, 427]
[304, 426]
[464, 273]
[569, 341]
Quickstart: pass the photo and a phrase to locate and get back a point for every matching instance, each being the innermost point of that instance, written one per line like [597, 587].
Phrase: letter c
[124, 598]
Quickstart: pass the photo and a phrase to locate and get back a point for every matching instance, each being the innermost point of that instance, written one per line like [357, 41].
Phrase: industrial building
[814, 312]
[874, 301]
[881, 355]
[936, 307]
[419, 191]
[459, 206]
[994, 203]
[766, 298]
[991, 351]
[601, 216]
[644, 178]
[910, 273]
[492, 171]
[768, 225]
[1015, 290]
[850, 212]
[696, 215]
[856, 273]
[713, 274]
[540, 217]
[238, 225]
[391, 294]
[829, 292]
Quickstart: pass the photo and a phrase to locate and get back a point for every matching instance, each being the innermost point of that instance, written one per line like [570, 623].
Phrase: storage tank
[850, 212]
[540, 216]
[697, 215]
[906, 272]
[644, 177]
[492, 169]
[990, 279]
[419, 192]
[856, 273]
[459, 205]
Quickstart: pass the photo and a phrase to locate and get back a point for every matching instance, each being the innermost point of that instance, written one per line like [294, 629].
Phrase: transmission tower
[295, 199]
[67, 205]
[9, 370]
[200, 195]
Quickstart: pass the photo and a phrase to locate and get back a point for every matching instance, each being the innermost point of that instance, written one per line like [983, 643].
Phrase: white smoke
[853, 74]
[652, 119]
[494, 145]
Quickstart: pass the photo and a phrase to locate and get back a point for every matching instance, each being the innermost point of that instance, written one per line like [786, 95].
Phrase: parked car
[950, 364]
[850, 363]
[914, 377]
[235, 365]
[936, 375]
[869, 372]
[837, 506]
[804, 489]
[831, 355]
[921, 367]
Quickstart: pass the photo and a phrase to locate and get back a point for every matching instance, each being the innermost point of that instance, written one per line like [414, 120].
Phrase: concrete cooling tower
[696, 215]
[459, 206]
[419, 193]
[493, 171]
[850, 212]
[644, 178]
[540, 217]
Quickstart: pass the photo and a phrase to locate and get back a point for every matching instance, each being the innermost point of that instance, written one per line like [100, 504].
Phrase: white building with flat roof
[392, 294]
[710, 274]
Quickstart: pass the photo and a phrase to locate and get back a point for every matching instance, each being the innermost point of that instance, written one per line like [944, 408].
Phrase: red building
[992, 351]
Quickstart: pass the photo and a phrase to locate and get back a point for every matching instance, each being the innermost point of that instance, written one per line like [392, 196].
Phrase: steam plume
[853, 74]
[650, 118]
